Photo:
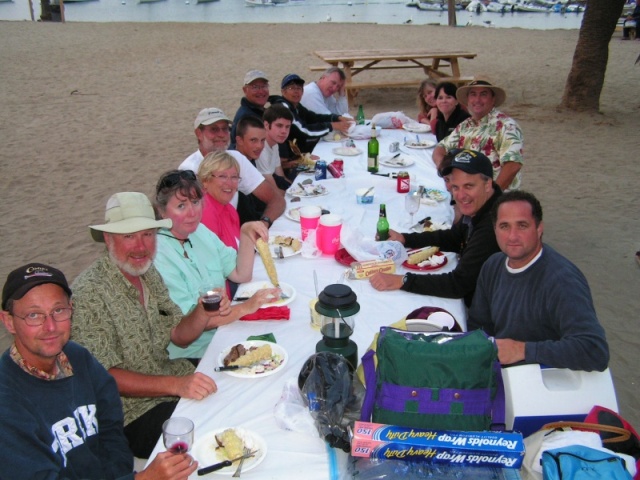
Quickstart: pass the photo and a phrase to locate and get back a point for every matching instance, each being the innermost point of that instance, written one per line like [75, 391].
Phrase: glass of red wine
[211, 296]
[177, 434]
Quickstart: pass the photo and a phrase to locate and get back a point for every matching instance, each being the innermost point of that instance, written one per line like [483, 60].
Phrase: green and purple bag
[440, 381]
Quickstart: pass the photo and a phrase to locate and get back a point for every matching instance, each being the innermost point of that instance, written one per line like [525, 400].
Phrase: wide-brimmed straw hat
[498, 93]
[127, 212]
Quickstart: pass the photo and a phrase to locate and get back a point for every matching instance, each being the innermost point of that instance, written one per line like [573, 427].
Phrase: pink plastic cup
[309, 217]
[328, 233]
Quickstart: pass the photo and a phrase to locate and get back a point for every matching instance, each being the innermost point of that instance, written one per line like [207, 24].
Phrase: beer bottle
[373, 148]
[382, 229]
[360, 116]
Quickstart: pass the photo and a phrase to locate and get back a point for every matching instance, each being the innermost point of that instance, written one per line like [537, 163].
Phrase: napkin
[269, 313]
[267, 337]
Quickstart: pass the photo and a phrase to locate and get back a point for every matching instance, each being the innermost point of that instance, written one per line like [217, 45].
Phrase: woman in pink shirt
[219, 173]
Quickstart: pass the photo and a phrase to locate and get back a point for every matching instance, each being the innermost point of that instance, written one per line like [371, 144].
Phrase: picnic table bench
[436, 65]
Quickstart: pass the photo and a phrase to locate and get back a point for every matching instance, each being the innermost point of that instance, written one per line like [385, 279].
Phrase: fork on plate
[246, 452]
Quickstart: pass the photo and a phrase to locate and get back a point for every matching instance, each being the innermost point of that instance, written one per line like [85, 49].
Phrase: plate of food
[334, 137]
[415, 127]
[226, 444]
[246, 290]
[294, 213]
[253, 359]
[425, 259]
[397, 160]
[419, 144]
[307, 190]
[347, 151]
[434, 194]
[427, 225]
[291, 245]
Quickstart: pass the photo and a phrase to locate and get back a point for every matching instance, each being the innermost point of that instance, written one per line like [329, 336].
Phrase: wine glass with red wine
[177, 434]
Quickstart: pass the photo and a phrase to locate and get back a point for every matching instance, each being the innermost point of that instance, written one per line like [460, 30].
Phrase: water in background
[389, 12]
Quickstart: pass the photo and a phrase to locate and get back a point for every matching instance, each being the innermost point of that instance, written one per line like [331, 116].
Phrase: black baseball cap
[291, 78]
[24, 278]
[470, 161]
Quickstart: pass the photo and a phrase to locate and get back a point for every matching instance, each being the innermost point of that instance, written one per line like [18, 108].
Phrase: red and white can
[404, 182]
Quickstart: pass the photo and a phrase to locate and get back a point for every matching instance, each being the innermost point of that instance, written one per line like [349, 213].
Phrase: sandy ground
[137, 88]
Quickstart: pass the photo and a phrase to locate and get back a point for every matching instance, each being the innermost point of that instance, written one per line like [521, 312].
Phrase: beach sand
[91, 109]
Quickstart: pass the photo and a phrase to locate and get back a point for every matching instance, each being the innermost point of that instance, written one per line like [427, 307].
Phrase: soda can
[321, 170]
[394, 147]
[404, 182]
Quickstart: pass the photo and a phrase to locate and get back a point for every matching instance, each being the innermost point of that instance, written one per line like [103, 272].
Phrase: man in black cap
[489, 131]
[307, 127]
[60, 412]
[472, 237]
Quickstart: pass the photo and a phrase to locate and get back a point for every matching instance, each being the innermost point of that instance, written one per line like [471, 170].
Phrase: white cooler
[535, 396]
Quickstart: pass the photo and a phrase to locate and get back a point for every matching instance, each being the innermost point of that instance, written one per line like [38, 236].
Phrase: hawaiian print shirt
[496, 135]
[63, 367]
[120, 332]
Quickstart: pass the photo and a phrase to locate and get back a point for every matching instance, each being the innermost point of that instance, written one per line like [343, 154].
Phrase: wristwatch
[405, 279]
[266, 220]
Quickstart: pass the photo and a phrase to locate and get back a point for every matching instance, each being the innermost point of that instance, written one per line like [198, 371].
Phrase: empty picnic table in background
[438, 65]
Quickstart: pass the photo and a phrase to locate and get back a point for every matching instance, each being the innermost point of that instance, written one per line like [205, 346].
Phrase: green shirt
[110, 321]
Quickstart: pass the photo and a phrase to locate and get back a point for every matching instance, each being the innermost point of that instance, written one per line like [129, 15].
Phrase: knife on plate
[421, 222]
[226, 369]
[226, 463]
[387, 175]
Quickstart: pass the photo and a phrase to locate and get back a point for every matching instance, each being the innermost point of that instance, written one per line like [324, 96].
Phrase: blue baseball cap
[291, 78]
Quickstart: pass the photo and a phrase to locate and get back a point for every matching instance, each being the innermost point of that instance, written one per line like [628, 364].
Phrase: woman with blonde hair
[426, 101]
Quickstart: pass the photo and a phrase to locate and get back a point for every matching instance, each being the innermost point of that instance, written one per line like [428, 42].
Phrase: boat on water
[206, 1]
[476, 6]
[264, 2]
[432, 6]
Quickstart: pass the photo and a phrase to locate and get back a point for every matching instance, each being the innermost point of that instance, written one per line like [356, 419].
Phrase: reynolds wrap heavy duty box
[487, 449]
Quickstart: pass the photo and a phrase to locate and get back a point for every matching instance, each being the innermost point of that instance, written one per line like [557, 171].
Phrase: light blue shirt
[209, 261]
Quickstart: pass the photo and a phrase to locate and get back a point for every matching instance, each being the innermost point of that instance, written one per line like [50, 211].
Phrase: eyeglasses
[172, 179]
[226, 178]
[260, 86]
[36, 319]
[217, 130]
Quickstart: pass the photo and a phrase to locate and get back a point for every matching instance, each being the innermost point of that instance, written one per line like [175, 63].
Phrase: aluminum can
[394, 147]
[321, 170]
[404, 182]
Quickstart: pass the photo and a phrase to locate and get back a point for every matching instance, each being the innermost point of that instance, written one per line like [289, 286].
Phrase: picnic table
[438, 65]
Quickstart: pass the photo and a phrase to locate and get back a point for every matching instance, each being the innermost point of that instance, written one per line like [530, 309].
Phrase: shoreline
[141, 84]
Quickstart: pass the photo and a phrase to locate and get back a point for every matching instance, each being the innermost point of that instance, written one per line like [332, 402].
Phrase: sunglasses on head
[174, 178]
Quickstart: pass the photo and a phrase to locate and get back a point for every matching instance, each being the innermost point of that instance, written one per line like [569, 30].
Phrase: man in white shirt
[327, 95]
[212, 129]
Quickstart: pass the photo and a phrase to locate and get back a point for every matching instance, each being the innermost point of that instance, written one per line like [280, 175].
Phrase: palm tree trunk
[584, 83]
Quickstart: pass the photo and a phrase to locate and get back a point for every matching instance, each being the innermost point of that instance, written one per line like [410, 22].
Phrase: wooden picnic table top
[335, 56]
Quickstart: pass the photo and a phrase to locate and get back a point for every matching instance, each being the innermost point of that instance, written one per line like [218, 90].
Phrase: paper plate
[248, 289]
[318, 191]
[427, 268]
[278, 360]
[347, 151]
[434, 194]
[287, 251]
[205, 450]
[417, 127]
[422, 144]
[294, 213]
[334, 137]
[400, 161]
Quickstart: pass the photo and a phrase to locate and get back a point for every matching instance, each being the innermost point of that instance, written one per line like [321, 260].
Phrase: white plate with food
[422, 144]
[415, 127]
[294, 213]
[397, 161]
[429, 226]
[434, 194]
[347, 151]
[308, 190]
[291, 245]
[258, 358]
[334, 137]
[246, 290]
[208, 452]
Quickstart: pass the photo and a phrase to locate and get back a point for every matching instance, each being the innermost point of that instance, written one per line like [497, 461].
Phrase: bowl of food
[364, 195]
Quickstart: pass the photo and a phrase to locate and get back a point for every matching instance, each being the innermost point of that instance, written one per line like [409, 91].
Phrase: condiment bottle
[360, 116]
[382, 228]
[373, 148]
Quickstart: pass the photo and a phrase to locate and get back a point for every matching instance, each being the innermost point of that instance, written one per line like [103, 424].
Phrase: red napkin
[269, 313]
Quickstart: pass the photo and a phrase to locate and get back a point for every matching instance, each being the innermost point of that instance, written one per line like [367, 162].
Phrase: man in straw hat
[60, 414]
[489, 131]
[125, 317]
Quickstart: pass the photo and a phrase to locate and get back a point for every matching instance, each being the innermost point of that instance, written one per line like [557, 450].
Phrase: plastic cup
[211, 296]
[328, 233]
[309, 217]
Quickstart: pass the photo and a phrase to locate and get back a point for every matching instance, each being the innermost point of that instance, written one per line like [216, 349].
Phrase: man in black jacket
[472, 186]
